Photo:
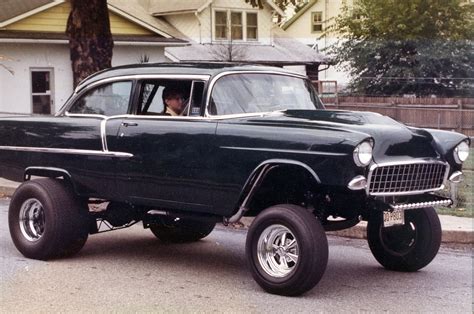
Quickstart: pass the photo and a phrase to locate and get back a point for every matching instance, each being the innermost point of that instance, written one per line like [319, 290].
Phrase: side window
[151, 102]
[108, 100]
[155, 94]
[194, 107]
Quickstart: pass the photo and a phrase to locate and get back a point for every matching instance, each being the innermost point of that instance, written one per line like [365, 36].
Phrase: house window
[252, 26]
[41, 86]
[235, 25]
[316, 22]
[221, 25]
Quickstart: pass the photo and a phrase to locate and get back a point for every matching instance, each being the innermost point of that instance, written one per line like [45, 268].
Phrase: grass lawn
[465, 206]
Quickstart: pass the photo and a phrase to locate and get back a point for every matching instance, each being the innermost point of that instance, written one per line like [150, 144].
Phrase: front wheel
[287, 250]
[407, 247]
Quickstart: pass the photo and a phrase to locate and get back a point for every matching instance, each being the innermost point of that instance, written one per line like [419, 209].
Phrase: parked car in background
[252, 141]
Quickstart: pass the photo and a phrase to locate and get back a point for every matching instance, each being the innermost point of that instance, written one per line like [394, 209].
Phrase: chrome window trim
[84, 115]
[81, 89]
[414, 162]
[135, 77]
[220, 75]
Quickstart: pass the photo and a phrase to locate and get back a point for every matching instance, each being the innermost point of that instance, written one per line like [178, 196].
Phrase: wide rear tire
[287, 250]
[47, 220]
[407, 247]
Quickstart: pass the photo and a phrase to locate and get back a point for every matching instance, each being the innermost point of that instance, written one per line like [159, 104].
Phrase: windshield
[261, 92]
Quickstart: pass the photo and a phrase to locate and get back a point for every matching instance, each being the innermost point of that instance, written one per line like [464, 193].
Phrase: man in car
[174, 101]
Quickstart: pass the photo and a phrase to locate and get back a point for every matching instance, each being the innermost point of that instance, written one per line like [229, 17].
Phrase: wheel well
[49, 172]
[282, 184]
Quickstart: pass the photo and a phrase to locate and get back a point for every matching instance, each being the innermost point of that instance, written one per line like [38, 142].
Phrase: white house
[308, 26]
[36, 76]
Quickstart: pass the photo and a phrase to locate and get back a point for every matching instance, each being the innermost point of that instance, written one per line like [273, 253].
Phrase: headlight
[461, 152]
[363, 154]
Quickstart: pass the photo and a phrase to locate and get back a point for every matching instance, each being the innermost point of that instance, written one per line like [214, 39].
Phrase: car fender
[256, 178]
[48, 172]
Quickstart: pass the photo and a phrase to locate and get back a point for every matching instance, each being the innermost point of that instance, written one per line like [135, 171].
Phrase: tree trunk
[90, 39]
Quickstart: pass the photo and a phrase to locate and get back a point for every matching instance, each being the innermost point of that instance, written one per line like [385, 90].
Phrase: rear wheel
[407, 247]
[47, 220]
[287, 250]
[176, 230]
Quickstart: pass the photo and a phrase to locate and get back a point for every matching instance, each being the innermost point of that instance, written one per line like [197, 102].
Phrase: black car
[250, 141]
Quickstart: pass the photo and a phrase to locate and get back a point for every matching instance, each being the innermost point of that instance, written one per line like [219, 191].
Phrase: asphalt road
[131, 271]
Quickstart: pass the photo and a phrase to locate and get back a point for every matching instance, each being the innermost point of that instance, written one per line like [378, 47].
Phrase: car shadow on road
[221, 255]
[142, 248]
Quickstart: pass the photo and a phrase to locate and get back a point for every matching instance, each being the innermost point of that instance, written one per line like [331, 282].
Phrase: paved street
[129, 270]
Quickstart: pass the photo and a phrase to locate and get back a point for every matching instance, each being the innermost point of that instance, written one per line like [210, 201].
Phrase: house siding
[15, 89]
[200, 29]
[188, 24]
[300, 29]
[55, 20]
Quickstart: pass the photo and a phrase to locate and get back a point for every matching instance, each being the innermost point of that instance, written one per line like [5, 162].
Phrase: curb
[357, 232]
[360, 232]
[6, 191]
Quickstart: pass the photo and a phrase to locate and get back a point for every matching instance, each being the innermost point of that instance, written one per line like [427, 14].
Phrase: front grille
[406, 178]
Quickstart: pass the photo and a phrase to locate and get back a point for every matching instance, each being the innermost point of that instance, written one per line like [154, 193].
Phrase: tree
[90, 39]
[420, 47]
[282, 4]
[229, 52]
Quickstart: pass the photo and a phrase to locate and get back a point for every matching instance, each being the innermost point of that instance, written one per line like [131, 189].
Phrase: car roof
[207, 68]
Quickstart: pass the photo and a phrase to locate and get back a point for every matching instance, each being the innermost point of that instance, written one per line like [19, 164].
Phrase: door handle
[127, 124]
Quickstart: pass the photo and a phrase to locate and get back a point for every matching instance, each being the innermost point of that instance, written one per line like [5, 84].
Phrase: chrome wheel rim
[277, 251]
[32, 220]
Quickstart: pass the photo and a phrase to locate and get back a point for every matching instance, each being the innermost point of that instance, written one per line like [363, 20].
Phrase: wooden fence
[453, 114]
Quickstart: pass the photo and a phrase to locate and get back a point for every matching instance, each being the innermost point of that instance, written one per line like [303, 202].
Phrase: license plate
[396, 217]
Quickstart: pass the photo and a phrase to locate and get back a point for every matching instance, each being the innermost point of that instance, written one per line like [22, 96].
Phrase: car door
[171, 165]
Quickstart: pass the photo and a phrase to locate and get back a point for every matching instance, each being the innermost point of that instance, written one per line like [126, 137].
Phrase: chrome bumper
[435, 203]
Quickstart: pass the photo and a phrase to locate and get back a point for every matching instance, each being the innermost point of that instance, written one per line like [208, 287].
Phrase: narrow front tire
[407, 247]
[287, 250]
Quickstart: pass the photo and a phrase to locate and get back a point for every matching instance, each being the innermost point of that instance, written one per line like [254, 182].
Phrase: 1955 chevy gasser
[253, 141]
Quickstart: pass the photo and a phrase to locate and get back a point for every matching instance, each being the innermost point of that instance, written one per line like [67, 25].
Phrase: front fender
[256, 178]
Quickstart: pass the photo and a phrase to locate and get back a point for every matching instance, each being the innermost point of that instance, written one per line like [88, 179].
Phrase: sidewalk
[455, 229]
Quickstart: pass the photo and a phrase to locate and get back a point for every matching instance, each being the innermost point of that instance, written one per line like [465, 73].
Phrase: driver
[174, 101]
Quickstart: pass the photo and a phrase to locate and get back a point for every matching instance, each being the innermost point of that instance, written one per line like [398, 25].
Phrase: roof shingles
[13, 8]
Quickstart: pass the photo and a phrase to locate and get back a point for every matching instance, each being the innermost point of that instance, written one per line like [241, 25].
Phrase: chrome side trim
[291, 151]
[374, 166]
[70, 151]
[103, 135]
[422, 205]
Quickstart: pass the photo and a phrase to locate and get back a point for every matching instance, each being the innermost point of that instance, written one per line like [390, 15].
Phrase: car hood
[393, 140]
